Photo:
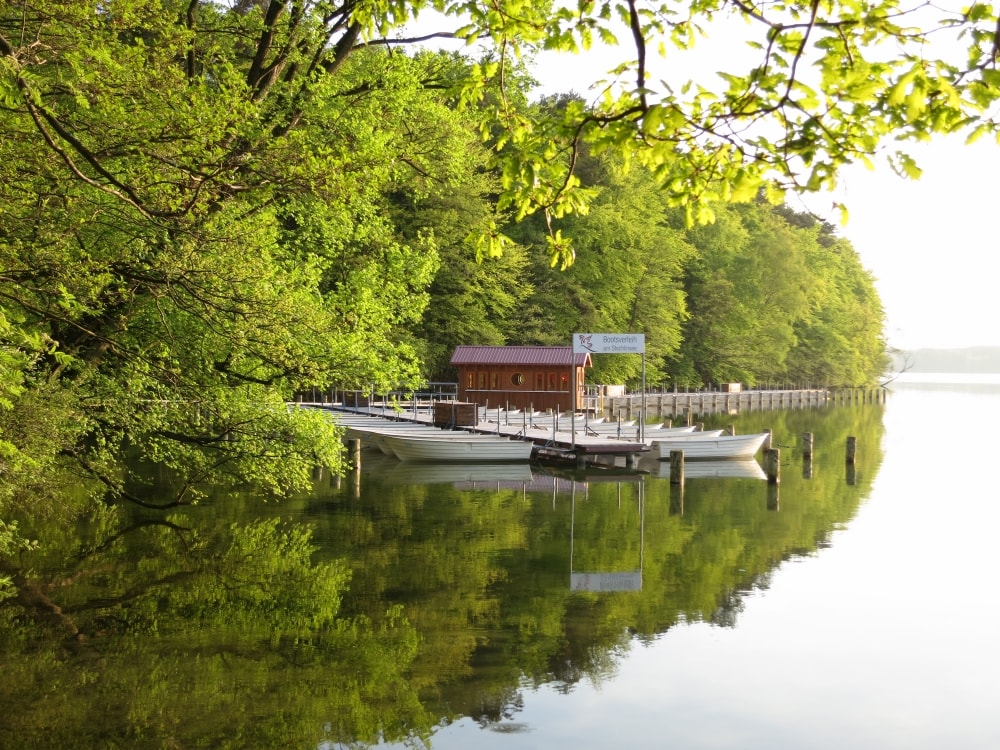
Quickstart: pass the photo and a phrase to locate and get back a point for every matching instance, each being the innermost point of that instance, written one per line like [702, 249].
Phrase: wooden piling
[677, 467]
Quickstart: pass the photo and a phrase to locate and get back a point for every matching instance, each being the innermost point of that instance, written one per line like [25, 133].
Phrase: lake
[850, 606]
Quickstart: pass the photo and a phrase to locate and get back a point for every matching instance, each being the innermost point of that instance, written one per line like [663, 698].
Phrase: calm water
[846, 608]
[885, 637]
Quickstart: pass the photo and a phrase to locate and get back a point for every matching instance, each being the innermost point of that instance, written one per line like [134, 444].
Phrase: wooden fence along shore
[681, 406]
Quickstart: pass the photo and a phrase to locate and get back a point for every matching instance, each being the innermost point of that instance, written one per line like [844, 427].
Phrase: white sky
[931, 244]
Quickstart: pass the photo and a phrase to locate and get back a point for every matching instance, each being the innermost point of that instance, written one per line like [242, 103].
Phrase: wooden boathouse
[522, 377]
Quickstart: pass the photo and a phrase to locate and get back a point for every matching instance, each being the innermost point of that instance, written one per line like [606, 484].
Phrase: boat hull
[719, 446]
[421, 448]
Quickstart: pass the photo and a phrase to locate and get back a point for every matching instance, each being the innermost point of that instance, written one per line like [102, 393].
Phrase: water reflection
[419, 597]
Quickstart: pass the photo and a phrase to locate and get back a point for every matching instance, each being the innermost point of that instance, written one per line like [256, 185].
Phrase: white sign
[630, 581]
[609, 343]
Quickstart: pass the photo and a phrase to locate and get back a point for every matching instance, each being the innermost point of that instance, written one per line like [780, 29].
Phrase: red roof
[519, 355]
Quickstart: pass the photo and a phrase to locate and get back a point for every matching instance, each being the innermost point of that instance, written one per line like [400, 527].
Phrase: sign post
[610, 343]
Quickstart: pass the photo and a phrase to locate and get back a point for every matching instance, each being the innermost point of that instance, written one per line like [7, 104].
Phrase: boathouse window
[494, 380]
[552, 381]
[470, 379]
[482, 381]
[539, 381]
[517, 379]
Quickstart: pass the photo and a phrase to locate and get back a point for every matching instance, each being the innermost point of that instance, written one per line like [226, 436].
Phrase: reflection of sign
[609, 343]
[631, 581]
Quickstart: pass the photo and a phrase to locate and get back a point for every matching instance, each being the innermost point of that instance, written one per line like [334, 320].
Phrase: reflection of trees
[403, 607]
[187, 633]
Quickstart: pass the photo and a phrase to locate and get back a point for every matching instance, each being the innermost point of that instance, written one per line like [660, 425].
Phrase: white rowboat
[425, 448]
[719, 446]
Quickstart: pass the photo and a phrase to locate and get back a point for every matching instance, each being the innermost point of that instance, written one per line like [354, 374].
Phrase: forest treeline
[761, 294]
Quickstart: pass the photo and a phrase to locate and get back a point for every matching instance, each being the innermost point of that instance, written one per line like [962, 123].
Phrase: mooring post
[676, 467]
[772, 465]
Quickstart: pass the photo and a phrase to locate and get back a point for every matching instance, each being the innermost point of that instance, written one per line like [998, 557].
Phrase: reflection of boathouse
[520, 377]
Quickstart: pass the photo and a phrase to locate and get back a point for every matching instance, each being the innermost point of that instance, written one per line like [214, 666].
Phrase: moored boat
[482, 449]
[717, 446]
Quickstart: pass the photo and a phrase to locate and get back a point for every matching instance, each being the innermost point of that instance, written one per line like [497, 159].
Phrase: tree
[775, 297]
[627, 275]
[815, 90]
[189, 237]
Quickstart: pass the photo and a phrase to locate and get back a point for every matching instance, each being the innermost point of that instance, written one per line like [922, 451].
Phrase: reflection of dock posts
[772, 497]
[355, 446]
[807, 445]
[676, 467]
[677, 499]
[852, 447]
[772, 465]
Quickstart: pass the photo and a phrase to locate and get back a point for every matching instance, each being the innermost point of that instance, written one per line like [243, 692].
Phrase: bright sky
[932, 244]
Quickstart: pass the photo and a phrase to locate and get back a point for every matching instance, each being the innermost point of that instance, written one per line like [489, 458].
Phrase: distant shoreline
[972, 359]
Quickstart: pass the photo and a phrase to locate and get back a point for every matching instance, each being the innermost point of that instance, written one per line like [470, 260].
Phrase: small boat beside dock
[477, 448]
[700, 445]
